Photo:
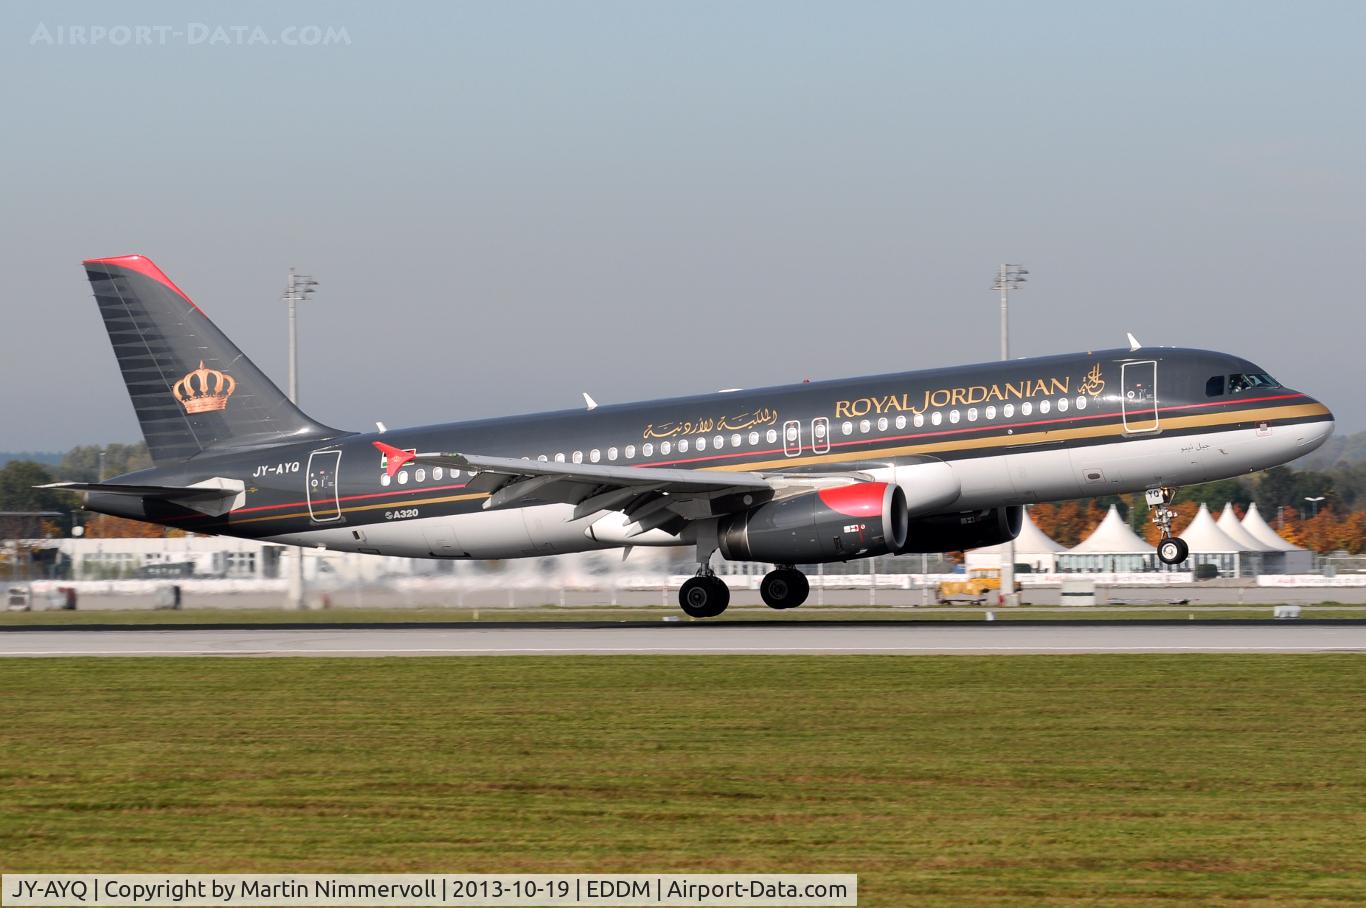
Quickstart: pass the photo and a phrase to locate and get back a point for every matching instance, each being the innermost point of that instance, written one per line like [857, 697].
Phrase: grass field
[957, 781]
[626, 613]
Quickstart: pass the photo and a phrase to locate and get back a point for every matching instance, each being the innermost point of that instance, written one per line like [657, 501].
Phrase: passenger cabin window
[1215, 386]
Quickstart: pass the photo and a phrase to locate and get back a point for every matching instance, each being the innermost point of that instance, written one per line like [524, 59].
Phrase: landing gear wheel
[1172, 550]
[784, 588]
[704, 597]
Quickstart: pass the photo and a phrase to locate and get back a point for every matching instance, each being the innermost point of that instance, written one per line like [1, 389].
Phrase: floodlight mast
[298, 288]
[1008, 277]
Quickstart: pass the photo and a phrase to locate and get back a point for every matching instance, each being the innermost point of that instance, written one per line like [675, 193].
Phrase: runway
[997, 638]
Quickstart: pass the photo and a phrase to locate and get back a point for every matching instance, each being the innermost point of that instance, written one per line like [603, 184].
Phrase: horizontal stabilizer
[212, 496]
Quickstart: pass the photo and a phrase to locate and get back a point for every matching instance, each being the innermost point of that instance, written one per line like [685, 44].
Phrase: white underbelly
[1131, 465]
[505, 533]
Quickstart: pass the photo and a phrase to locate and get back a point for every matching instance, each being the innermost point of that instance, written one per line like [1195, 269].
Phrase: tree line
[1323, 510]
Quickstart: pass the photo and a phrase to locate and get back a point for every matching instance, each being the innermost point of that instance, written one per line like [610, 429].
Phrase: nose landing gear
[1170, 550]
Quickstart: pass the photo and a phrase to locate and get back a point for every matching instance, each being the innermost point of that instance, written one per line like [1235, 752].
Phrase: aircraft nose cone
[1310, 435]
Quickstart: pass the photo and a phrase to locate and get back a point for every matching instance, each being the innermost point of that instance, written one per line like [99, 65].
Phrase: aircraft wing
[652, 497]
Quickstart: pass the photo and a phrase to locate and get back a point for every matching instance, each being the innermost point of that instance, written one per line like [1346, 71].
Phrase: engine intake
[853, 521]
[963, 530]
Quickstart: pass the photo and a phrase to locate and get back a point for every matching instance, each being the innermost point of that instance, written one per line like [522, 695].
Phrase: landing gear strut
[704, 596]
[1170, 550]
[785, 587]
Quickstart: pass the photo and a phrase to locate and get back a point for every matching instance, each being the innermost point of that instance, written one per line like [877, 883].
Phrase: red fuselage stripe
[774, 451]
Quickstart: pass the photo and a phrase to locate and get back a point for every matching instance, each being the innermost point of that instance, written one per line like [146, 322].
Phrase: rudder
[192, 388]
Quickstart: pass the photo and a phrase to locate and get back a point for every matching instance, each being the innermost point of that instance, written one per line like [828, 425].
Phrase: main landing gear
[704, 596]
[1170, 550]
[785, 587]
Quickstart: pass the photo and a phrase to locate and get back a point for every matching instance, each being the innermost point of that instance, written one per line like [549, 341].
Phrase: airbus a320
[923, 461]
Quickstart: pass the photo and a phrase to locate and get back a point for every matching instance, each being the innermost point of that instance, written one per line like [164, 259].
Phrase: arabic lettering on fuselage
[764, 416]
[1092, 384]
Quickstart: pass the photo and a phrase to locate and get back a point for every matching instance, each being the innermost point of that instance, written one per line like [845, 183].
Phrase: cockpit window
[1249, 381]
[1215, 386]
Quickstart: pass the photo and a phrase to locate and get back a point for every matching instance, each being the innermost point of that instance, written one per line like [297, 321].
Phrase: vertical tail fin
[192, 389]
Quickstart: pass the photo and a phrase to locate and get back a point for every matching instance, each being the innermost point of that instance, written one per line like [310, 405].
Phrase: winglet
[1133, 343]
[592, 404]
[394, 457]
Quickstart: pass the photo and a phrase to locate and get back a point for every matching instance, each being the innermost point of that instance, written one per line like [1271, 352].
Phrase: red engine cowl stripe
[862, 499]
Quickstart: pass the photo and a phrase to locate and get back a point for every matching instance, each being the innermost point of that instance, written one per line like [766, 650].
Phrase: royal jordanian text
[305, 890]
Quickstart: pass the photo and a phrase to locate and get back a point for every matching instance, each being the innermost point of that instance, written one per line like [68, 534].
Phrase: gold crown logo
[204, 390]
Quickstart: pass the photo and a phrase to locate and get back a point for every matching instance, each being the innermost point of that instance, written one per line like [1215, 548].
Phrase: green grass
[1157, 611]
[956, 781]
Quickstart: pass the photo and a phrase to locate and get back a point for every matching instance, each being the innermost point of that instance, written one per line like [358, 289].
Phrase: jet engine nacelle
[963, 530]
[853, 521]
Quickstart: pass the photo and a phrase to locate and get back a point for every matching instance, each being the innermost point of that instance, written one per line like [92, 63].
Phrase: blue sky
[509, 203]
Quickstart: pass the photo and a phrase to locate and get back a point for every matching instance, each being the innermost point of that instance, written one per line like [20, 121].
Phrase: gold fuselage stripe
[1208, 420]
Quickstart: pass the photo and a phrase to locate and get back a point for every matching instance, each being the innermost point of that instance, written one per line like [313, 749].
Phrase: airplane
[926, 461]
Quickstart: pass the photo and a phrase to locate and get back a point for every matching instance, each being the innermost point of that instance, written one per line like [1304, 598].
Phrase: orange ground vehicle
[982, 585]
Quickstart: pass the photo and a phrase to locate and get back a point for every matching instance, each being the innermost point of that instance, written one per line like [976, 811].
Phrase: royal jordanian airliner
[935, 460]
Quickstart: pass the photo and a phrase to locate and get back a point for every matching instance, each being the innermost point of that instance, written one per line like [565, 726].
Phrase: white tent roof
[1204, 535]
[1228, 522]
[1031, 541]
[1260, 530]
[1113, 537]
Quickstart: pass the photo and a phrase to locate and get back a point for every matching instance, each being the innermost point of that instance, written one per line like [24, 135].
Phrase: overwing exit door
[1139, 402]
[322, 486]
